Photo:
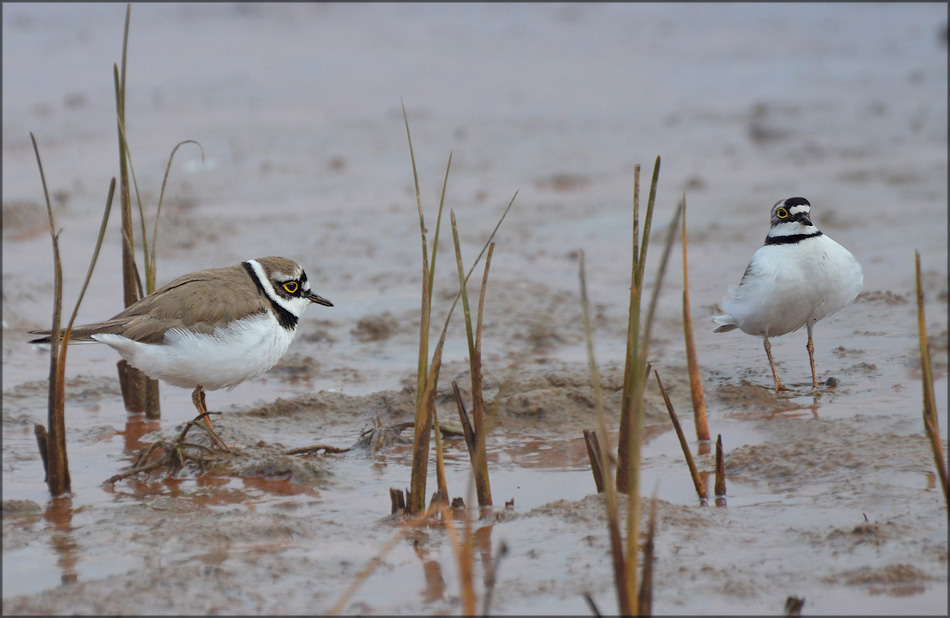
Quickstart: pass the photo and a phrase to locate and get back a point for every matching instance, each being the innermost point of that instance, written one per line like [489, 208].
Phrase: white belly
[239, 352]
[790, 286]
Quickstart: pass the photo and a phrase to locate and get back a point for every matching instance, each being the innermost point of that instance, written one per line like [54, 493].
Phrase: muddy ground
[831, 495]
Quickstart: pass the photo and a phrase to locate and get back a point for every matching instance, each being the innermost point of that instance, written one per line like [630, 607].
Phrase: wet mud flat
[842, 508]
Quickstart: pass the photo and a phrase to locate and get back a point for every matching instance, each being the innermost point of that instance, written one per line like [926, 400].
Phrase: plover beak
[806, 221]
[318, 299]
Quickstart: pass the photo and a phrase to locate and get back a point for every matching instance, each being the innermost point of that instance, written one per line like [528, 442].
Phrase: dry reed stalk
[633, 333]
[420, 452]
[427, 376]
[152, 401]
[634, 405]
[695, 379]
[480, 461]
[427, 379]
[931, 424]
[720, 488]
[442, 487]
[626, 598]
[693, 472]
[477, 451]
[398, 499]
[131, 375]
[132, 381]
[467, 431]
[57, 463]
[593, 454]
[42, 440]
[423, 428]
[53, 449]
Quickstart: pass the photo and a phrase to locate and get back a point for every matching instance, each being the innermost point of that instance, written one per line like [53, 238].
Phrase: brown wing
[199, 302]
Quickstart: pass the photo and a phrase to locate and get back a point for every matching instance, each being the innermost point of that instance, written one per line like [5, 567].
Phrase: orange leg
[811, 359]
[778, 383]
[198, 398]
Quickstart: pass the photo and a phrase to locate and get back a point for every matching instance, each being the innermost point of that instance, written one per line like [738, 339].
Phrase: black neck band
[791, 239]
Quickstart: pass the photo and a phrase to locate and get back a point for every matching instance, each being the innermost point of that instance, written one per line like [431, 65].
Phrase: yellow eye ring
[291, 287]
[782, 213]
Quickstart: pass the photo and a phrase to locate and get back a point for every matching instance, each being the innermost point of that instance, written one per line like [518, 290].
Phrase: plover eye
[782, 213]
[291, 287]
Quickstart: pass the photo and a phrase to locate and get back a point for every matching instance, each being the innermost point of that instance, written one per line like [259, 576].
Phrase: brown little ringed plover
[210, 329]
[799, 277]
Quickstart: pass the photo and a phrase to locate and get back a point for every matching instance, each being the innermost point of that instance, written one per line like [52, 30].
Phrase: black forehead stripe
[284, 317]
[791, 239]
[796, 201]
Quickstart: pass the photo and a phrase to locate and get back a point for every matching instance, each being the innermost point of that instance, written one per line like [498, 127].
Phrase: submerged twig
[316, 448]
[492, 577]
[464, 557]
[592, 605]
[416, 521]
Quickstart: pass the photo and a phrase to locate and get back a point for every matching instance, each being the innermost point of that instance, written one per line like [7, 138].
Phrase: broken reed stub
[720, 488]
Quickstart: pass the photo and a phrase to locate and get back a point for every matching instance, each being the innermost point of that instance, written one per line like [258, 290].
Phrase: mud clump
[892, 580]
[375, 328]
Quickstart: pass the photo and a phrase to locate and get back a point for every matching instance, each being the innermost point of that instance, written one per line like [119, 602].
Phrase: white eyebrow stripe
[269, 288]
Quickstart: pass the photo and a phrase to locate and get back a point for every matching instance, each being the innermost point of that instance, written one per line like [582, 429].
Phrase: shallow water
[831, 495]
